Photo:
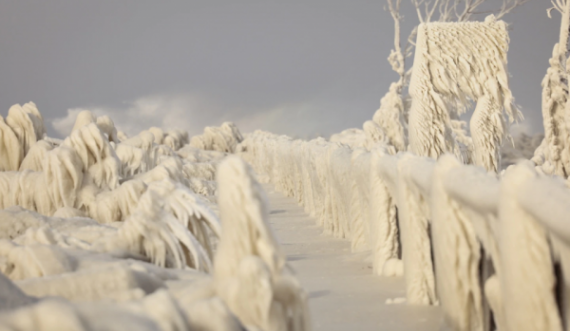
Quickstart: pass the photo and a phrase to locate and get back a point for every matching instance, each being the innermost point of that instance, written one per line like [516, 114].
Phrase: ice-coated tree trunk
[554, 156]
[428, 132]
[487, 130]
[554, 96]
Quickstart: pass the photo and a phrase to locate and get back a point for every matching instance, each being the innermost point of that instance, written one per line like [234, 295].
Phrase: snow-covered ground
[342, 291]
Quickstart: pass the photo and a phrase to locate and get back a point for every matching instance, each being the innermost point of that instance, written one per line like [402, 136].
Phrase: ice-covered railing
[491, 250]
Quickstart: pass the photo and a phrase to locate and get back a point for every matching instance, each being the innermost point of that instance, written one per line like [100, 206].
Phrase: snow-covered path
[343, 293]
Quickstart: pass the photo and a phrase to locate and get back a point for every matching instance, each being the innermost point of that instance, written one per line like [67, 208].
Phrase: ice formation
[342, 188]
[27, 124]
[157, 231]
[473, 68]
[352, 137]
[12, 154]
[413, 218]
[250, 271]
[391, 117]
[359, 200]
[553, 154]
[20, 130]
[527, 258]
[100, 231]
[457, 254]
[384, 234]
[455, 64]
[223, 139]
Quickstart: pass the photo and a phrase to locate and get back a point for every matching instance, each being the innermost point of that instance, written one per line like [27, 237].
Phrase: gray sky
[294, 67]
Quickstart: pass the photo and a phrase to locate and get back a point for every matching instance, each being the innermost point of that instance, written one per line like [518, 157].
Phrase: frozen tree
[455, 63]
[482, 148]
[554, 153]
[392, 115]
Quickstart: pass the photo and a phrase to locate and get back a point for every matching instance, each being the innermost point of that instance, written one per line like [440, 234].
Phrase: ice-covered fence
[497, 243]
[490, 250]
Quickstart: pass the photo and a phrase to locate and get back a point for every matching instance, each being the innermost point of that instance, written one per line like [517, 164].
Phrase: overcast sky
[293, 67]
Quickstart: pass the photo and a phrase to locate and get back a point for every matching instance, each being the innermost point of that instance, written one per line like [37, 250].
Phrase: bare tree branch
[558, 5]
[508, 6]
[396, 58]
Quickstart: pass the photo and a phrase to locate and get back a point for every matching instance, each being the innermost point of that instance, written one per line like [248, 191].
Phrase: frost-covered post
[383, 237]
[455, 63]
[527, 278]
[414, 227]
[456, 252]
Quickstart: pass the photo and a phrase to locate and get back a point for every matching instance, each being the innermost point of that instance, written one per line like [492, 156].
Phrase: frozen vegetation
[160, 231]
[100, 231]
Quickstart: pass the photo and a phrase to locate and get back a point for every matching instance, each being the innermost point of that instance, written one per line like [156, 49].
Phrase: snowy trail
[343, 293]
